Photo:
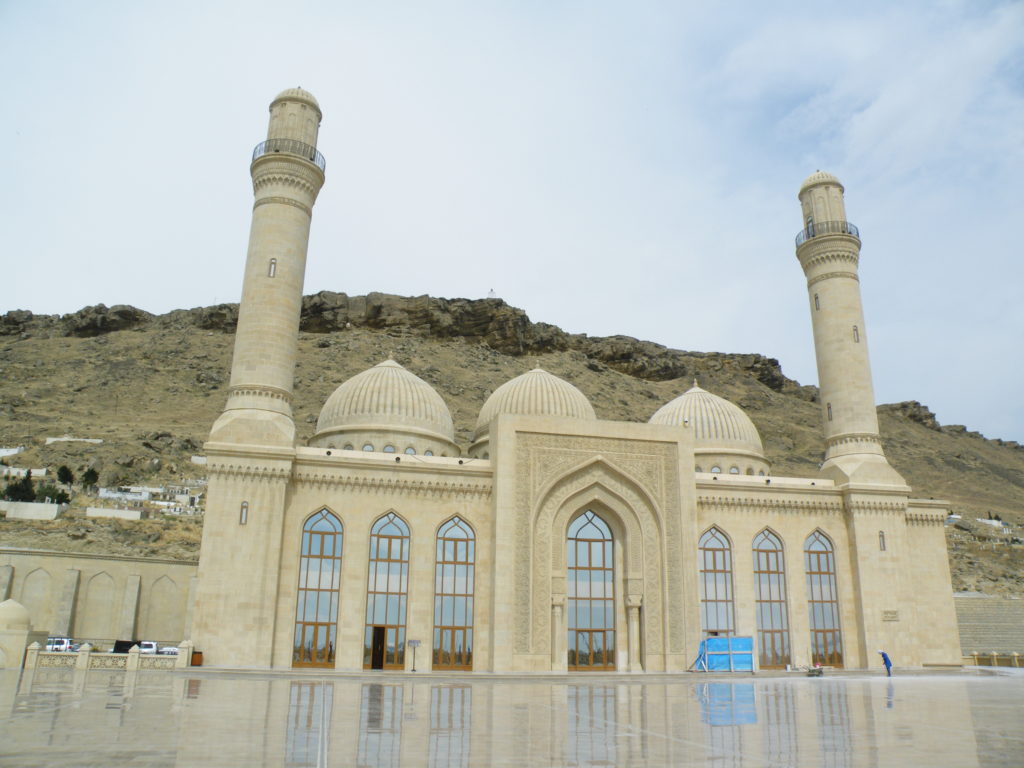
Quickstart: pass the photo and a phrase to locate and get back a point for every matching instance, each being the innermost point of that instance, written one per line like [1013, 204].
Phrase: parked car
[168, 650]
[147, 646]
[62, 644]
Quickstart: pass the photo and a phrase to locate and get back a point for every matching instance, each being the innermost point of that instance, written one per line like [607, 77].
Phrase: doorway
[377, 648]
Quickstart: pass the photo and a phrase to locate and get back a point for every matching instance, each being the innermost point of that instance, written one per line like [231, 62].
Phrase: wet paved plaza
[61, 717]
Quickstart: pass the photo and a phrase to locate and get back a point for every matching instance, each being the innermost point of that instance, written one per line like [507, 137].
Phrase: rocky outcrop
[914, 411]
[97, 320]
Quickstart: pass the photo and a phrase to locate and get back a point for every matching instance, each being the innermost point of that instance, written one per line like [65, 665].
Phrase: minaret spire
[829, 251]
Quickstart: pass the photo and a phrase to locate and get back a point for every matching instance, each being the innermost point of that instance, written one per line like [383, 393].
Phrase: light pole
[414, 644]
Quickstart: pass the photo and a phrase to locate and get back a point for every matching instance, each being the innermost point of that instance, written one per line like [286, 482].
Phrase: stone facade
[341, 553]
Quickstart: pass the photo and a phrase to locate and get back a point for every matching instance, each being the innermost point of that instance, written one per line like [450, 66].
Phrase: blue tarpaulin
[725, 654]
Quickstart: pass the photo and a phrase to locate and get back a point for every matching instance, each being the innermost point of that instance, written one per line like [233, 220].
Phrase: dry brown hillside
[150, 386]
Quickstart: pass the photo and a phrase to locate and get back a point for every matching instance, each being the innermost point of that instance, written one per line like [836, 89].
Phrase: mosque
[555, 541]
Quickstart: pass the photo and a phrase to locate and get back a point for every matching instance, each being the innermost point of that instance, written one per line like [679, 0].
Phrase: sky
[610, 168]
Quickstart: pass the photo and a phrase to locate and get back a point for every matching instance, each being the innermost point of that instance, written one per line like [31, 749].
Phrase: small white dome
[720, 428]
[297, 94]
[14, 615]
[819, 177]
[385, 399]
[535, 393]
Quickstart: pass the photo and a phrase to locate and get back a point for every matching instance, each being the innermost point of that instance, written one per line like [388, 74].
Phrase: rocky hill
[150, 387]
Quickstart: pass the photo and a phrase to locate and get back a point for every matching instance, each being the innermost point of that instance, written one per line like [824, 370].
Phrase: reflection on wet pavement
[115, 718]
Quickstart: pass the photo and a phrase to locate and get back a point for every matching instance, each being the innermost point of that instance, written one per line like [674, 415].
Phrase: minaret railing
[290, 147]
[826, 228]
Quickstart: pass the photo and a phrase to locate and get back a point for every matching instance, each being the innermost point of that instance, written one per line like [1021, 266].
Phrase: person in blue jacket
[888, 663]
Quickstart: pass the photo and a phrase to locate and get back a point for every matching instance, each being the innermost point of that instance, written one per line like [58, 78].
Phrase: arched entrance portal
[590, 580]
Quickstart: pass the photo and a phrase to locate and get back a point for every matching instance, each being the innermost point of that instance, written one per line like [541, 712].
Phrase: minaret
[829, 251]
[287, 173]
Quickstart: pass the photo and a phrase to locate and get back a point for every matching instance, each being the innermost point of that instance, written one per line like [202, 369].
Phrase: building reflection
[213, 719]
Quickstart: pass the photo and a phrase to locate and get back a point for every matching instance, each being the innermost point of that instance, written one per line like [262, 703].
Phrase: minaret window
[817, 304]
[716, 470]
[243, 513]
[828, 407]
[734, 470]
[881, 541]
[389, 449]
[856, 335]
[272, 269]
[410, 451]
[368, 447]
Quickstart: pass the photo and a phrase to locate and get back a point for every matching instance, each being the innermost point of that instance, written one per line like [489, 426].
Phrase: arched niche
[636, 523]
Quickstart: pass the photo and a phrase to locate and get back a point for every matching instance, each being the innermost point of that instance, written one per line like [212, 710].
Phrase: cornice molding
[260, 390]
[830, 275]
[283, 201]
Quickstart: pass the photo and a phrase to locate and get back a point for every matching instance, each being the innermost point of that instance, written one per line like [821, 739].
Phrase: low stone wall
[86, 658]
[31, 510]
[123, 514]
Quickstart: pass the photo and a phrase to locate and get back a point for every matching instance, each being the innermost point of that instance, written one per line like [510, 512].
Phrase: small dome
[819, 177]
[718, 425]
[535, 393]
[296, 94]
[387, 399]
[14, 615]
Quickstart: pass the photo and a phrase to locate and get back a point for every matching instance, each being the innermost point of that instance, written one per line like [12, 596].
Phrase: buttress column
[829, 251]
[287, 174]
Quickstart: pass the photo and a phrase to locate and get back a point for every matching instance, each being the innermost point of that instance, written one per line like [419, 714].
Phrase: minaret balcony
[290, 147]
[820, 228]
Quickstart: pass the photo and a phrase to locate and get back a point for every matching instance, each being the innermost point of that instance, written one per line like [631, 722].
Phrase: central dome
[535, 393]
[724, 437]
[386, 407]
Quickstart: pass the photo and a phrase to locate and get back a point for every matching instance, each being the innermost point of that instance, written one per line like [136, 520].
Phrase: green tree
[65, 475]
[21, 490]
[53, 493]
[90, 477]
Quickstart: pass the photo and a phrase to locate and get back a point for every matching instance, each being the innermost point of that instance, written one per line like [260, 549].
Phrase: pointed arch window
[316, 607]
[770, 601]
[717, 615]
[272, 268]
[453, 596]
[589, 589]
[823, 601]
[387, 593]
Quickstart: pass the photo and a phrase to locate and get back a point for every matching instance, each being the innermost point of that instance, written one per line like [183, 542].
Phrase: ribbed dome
[819, 177]
[386, 397]
[535, 393]
[297, 94]
[13, 615]
[717, 424]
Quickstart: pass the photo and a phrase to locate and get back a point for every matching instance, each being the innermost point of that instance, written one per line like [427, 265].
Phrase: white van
[147, 646]
[60, 644]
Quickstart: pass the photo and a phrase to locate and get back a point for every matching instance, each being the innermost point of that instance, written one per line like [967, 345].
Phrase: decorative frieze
[762, 505]
[411, 486]
[861, 507]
